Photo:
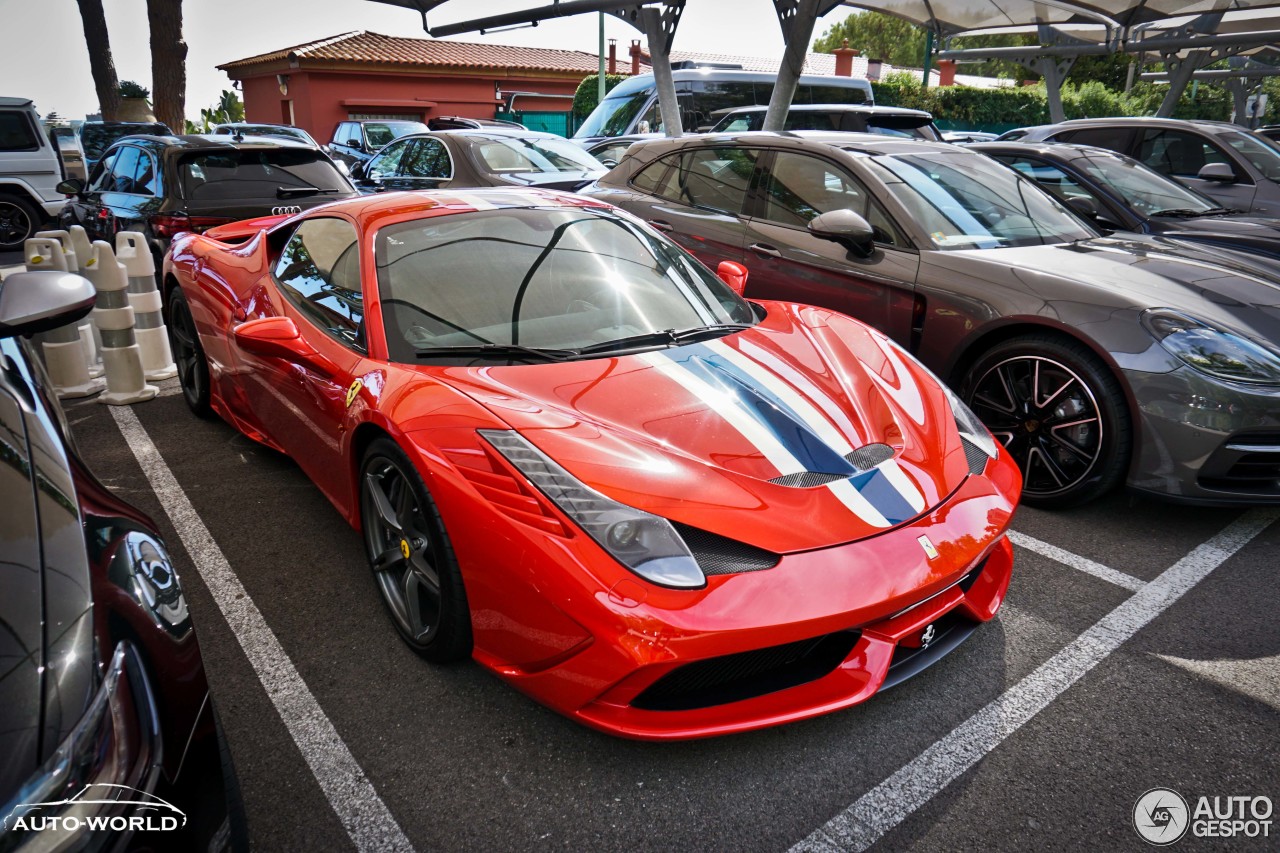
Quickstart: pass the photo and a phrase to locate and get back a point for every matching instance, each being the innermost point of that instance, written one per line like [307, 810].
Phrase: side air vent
[864, 459]
[720, 555]
[975, 456]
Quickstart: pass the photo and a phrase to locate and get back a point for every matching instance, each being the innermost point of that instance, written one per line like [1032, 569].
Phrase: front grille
[951, 630]
[864, 459]
[720, 555]
[1246, 462]
[975, 456]
[732, 678]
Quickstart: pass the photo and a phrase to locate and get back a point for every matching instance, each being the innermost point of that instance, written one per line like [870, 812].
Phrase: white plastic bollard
[63, 349]
[75, 245]
[114, 318]
[148, 309]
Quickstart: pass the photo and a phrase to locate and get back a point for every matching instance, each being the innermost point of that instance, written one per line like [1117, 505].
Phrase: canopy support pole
[1054, 70]
[660, 30]
[797, 19]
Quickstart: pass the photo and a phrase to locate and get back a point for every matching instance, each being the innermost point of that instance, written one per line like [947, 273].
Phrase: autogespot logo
[1160, 816]
[146, 812]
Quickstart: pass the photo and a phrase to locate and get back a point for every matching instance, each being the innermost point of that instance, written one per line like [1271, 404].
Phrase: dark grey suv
[1237, 168]
[1094, 359]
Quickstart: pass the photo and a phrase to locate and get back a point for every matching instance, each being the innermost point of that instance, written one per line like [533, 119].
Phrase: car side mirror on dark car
[39, 301]
[355, 143]
[71, 186]
[1220, 172]
[1084, 206]
[846, 228]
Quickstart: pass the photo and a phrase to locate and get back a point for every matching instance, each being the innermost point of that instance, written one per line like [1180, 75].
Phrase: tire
[411, 557]
[237, 836]
[1060, 413]
[19, 219]
[188, 355]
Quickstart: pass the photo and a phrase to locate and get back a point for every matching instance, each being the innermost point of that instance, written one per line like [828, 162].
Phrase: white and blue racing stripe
[787, 429]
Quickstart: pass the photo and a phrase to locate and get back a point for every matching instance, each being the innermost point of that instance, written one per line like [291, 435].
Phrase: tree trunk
[168, 63]
[100, 62]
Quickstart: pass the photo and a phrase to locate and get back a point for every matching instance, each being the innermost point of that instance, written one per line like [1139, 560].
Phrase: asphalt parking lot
[1139, 648]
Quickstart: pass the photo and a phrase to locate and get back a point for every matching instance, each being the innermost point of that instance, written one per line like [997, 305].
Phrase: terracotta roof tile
[368, 48]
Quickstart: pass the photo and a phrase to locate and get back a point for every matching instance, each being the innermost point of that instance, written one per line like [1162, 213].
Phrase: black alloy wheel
[1059, 412]
[18, 221]
[188, 355]
[411, 557]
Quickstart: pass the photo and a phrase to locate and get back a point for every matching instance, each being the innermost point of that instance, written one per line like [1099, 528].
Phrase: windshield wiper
[1188, 213]
[497, 351]
[290, 192]
[668, 337]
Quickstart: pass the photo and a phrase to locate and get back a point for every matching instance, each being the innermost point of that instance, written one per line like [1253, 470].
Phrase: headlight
[971, 427]
[646, 544]
[1213, 351]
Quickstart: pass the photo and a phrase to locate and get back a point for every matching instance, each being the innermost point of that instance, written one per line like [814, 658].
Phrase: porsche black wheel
[1059, 412]
[411, 558]
[188, 355]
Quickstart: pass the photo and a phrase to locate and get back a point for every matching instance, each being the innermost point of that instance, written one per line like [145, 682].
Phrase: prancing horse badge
[929, 551]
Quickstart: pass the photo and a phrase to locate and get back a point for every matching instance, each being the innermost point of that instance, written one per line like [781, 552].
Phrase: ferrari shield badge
[353, 391]
[929, 551]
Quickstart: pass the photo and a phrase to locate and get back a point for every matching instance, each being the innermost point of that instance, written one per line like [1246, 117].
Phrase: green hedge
[588, 94]
[964, 107]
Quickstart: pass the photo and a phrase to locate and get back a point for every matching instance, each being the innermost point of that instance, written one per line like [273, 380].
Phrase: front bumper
[1204, 441]
[822, 630]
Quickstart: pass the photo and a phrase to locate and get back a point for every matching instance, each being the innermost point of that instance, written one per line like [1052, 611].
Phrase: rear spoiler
[236, 232]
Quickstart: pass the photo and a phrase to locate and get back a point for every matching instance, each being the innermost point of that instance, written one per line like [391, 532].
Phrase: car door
[696, 197]
[87, 209]
[302, 406]
[1182, 154]
[383, 171]
[135, 193]
[787, 262]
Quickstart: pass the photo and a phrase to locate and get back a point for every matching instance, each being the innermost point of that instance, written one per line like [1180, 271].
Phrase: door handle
[661, 226]
[764, 250]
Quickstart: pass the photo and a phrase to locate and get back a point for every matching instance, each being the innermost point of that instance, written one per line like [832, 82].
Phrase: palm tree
[100, 63]
[168, 61]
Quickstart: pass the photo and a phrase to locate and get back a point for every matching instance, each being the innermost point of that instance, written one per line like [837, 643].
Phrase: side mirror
[356, 144]
[71, 186]
[1219, 172]
[608, 162]
[734, 275]
[846, 228]
[278, 337]
[39, 301]
[1084, 206]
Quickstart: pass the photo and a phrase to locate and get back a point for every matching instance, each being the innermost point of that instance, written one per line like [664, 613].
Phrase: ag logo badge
[353, 391]
[1160, 816]
[929, 551]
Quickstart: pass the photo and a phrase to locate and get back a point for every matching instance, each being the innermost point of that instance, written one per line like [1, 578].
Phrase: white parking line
[896, 798]
[366, 818]
[1075, 561]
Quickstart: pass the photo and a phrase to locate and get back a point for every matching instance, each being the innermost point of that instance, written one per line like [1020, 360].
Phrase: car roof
[1150, 121]
[176, 145]
[872, 143]
[1059, 150]
[395, 205]
[15, 102]
[833, 108]
[500, 130]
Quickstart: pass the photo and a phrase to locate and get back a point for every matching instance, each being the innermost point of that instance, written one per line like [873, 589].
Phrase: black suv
[101, 679]
[163, 185]
[355, 142]
[97, 136]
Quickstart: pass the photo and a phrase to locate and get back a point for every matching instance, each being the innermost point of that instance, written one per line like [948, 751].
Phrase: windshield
[1144, 189]
[379, 133]
[552, 278]
[1258, 150]
[612, 117]
[514, 154]
[963, 201]
[96, 138]
[250, 174]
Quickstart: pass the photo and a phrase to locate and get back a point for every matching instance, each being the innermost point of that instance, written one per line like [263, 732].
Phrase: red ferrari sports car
[578, 456]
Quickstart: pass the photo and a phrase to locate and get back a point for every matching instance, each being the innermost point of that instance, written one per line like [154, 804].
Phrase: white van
[30, 169]
[632, 105]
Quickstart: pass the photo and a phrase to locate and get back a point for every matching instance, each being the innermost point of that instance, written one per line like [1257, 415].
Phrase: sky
[44, 55]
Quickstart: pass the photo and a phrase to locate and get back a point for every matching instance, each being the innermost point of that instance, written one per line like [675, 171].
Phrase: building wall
[322, 98]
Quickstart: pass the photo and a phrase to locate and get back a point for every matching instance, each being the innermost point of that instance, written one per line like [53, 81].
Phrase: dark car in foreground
[104, 708]
[282, 131]
[1237, 168]
[489, 157]
[1117, 193]
[163, 185]
[855, 118]
[1095, 360]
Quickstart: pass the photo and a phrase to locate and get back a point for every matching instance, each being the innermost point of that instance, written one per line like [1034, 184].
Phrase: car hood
[1255, 233]
[701, 433]
[1238, 289]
